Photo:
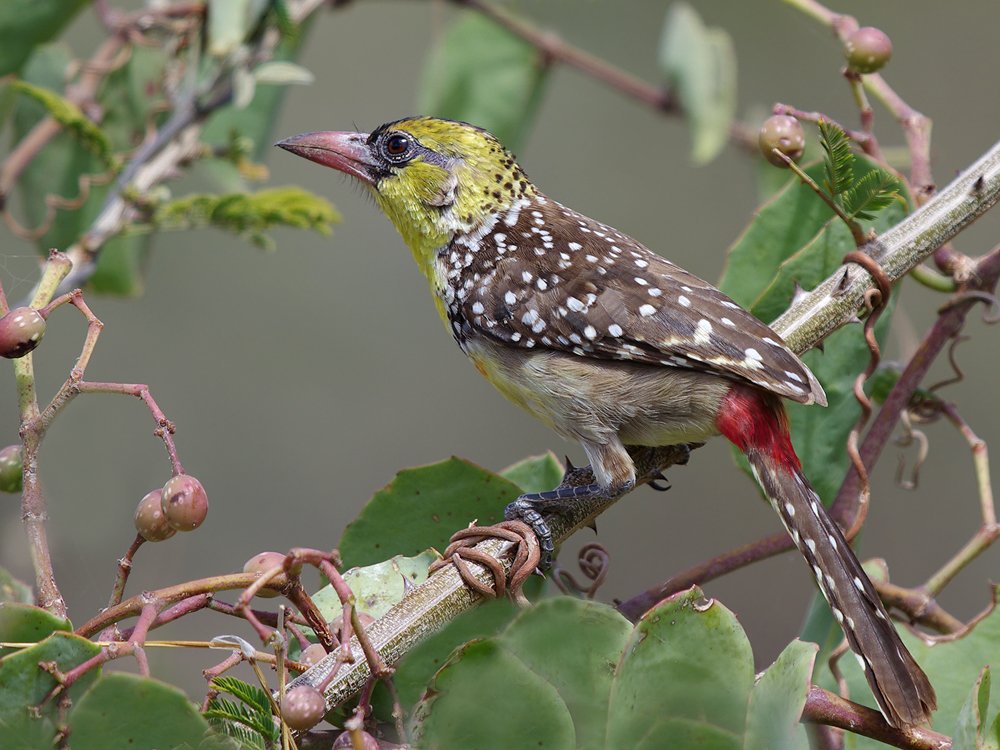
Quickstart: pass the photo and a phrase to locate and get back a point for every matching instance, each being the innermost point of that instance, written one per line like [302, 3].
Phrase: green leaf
[839, 164]
[684, 678]
[416, 669]
[535, 473]
[777, 701]
[24, 24]
[14, 591]
[486, 699]
[71, 117]
[25, 623]
[230, 22]
[23, 687]
[255, 121]
[481, 73]
[574, 645]
[774, 254]
[141, 714]
[421, 508]
[250, 215]
[971, 732]
[252, 695]
[282, 72]
[377, 587]
[875, 190]
[699, 62]
[58, 168]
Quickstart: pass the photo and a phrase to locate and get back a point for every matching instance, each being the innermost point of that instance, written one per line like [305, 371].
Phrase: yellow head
[435, 179]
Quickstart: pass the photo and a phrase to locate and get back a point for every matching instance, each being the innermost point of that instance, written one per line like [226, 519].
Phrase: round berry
[11, 468]
[260, 564]
[312, 654]
[21, 330]
[343, 742]
[867, 50]
[782, 132]
[303, 707]
[184, 502]
[149, 518]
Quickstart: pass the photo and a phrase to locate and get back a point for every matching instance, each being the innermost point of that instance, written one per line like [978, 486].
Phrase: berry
[21, 330]
[260, 564]
[150, 520]
[867, 50]
[782, 132]
[184, 502]
[343, 742]
[11, 467]
[303, 707]
[312, 654]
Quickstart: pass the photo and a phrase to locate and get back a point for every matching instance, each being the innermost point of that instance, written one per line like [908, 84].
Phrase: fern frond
[231, 712]
[839, 165]
[245, 738]
[244, 691]
[874, 191]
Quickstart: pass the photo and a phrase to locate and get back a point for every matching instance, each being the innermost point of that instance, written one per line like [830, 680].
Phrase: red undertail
[755, 422]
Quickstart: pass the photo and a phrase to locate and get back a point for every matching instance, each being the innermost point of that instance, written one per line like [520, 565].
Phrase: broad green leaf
[13, 590]
[58, 167]
[24, 24]
[685, 677]
[421, 508]
[481, 73]
[535, 473]
[574, 645]
[777, 701]
[972, 729]
[282, 72]
[377, 587]
[23, 687]
[952, 666]
[125, 710]
[699, 62]
[255, 121]
[230, 23]
[486, 698]
[25, 623]
[416, 670]
[774, 254]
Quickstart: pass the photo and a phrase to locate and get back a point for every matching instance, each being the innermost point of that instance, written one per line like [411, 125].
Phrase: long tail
[902, 690]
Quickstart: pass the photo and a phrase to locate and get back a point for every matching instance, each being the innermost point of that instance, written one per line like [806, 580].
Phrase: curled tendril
[910, 436]
[875, 300]
[594, 562]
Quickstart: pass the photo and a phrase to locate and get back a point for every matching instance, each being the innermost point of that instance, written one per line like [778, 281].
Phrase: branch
[831, 305]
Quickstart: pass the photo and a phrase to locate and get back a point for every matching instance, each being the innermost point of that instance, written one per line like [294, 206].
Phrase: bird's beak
[345, 152]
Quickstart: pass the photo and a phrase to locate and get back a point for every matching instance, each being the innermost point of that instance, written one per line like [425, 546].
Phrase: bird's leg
[531, 508]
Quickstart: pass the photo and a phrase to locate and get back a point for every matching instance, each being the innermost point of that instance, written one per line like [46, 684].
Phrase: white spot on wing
[647, 310]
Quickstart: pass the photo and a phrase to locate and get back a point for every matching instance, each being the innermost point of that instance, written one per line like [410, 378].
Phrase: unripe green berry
[260, 564]
[21, 330]
[782, 132]
[11, 469]
[303, 707]
[312, 654]
[867, 50]
[150, 520]
[184, 502]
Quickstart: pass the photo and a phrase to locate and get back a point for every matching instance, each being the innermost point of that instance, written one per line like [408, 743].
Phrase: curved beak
[344, 151]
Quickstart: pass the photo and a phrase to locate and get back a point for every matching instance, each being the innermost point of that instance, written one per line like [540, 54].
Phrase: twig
[123, 570]
[824, 707]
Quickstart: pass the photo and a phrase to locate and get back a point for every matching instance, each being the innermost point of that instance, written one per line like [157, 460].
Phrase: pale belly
[599, 400]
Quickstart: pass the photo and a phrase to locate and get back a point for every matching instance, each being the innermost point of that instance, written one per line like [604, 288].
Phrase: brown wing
[545, 276]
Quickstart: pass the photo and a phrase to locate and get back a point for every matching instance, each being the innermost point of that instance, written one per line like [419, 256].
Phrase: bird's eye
[396, 146]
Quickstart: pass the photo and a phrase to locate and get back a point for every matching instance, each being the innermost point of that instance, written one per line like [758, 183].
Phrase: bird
[609, 344]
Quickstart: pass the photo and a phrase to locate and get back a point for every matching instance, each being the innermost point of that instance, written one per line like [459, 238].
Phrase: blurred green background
[301, 380]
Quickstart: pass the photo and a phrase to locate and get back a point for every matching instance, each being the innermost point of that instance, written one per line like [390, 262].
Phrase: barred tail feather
[902, 690]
